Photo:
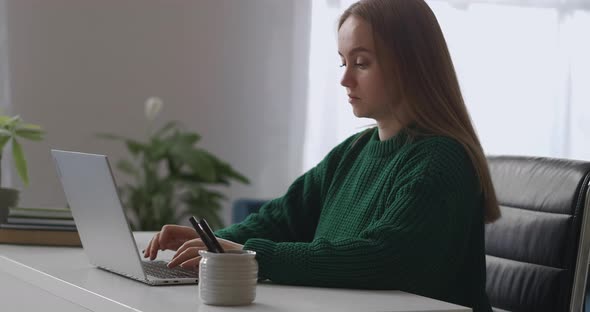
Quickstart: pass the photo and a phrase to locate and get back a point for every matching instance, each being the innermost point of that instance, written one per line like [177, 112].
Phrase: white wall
[233, 70]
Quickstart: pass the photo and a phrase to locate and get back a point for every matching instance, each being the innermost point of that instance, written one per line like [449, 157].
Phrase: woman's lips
[352, 99]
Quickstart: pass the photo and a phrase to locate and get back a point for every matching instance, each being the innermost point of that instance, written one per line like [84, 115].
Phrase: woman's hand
[188, 257]
[170, 237]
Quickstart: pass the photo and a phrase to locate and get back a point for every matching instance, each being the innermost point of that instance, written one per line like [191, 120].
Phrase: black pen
[202, 235]
[208, 231]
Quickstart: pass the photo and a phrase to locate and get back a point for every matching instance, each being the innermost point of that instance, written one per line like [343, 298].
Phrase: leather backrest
[531, 251]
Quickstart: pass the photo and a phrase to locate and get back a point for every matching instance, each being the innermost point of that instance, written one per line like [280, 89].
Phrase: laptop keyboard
[160, 270]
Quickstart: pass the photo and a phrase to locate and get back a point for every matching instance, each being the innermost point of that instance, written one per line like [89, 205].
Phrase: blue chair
[244, 207]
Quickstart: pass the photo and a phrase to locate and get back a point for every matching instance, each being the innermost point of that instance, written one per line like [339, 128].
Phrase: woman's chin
[358, 113]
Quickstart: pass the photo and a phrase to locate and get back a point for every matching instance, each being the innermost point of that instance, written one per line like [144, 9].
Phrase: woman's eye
[359, 65]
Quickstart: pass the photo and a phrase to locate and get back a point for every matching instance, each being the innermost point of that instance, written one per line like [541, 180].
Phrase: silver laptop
[90, 190]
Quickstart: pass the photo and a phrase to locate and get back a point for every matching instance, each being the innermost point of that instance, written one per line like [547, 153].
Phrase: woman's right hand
[170, 237]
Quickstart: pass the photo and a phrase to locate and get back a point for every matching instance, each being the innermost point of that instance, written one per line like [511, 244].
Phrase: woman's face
[368, 92]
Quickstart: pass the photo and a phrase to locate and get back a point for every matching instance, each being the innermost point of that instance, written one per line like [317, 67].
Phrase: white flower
[153, 106]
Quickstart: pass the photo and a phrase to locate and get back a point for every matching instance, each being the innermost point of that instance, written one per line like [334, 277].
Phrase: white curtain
[523, 66]
[4, 88]
[4, 65]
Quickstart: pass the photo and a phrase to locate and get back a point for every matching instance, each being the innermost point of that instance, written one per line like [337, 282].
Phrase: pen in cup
[210, 234]
[204, 237]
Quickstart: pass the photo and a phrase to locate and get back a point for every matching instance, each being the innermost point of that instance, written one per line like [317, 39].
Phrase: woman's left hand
[187, 256]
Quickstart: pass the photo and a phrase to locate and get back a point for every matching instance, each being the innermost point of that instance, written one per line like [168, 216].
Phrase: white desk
[53, 278]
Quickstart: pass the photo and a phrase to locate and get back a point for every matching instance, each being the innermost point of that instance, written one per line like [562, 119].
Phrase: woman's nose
[347, 79]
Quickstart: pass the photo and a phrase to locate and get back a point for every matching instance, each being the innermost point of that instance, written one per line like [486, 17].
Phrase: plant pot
[8, 198]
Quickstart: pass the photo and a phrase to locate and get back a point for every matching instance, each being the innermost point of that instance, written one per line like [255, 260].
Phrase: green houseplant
[171, 176]
[11, 129]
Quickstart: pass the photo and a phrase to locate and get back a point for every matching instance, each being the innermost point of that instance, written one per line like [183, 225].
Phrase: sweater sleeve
[419, 240]
[294, 216]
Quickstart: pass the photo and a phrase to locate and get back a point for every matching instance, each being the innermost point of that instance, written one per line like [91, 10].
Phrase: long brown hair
[408, 33]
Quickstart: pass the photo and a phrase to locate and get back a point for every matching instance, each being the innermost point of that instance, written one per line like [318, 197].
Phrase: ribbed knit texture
[403, 214]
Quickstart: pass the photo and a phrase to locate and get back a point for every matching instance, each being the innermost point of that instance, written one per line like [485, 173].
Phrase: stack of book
[39, 226]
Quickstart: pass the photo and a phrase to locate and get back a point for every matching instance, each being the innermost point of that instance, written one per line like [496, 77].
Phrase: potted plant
[171, 176]
[12, 128]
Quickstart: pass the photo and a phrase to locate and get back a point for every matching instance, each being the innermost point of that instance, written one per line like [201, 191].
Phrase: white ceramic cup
[228, 278]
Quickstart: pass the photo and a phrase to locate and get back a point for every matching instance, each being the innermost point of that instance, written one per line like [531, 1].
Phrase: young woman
[399, 206]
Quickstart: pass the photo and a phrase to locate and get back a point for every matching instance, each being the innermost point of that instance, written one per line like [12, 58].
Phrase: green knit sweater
[402, 214]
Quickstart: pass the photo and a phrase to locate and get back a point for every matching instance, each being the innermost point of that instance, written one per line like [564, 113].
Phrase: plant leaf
[13, 120]
[135, 146]
[159, 196]
[157, 149]
[127, 167]
[225, 170]
[4, 132]
[19, 161]
[28, 126]
[204, 203]
[167, 127]
[4, 119]
[188, 138]
[31, 134]
[230, 172]
[201, 164]
[3, 141]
